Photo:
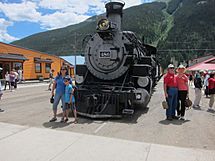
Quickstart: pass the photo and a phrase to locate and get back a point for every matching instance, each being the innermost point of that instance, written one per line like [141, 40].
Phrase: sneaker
[210, 109]
[1, 110]
[196, 107]
[169, 118]
[182, 118]
[175, 117]
[75, 121]
[53, 119]
[62, 120]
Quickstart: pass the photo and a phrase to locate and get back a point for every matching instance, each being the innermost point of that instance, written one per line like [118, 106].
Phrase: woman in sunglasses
[171, 92]
[58, 90]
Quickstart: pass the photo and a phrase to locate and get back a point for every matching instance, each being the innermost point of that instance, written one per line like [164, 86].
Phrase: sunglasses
[62, 69]
[171, 68]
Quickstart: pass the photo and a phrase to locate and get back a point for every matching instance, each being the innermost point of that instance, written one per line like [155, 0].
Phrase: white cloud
[4, 36]
[129, 3]
[65, 12]
[60, 19]
[25, 11]
[75, 6]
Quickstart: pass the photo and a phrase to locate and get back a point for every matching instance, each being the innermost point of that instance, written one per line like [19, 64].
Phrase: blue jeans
[57, 98]
[172, 101]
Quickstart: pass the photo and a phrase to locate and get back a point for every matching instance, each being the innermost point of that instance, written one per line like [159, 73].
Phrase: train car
[119, 71]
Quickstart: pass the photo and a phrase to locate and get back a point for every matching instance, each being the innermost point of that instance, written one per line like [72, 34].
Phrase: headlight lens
[103, 24]
[143, 81]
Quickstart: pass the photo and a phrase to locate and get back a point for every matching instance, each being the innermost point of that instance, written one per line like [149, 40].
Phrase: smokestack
[114, 12]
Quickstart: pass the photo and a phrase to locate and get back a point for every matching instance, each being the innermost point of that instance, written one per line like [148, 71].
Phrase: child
[69, 99]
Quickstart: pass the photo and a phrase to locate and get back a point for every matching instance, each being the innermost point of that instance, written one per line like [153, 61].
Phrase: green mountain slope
[193, 28]
[169, 25]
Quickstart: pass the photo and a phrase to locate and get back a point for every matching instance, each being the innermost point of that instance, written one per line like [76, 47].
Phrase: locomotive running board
[99, 116]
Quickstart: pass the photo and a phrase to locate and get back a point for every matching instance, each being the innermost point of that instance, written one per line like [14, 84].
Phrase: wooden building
[33, 63]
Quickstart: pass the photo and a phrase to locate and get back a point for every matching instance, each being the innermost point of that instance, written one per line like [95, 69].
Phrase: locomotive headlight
[138, 96]
[103, 24]
[143, 81]
[79, 79]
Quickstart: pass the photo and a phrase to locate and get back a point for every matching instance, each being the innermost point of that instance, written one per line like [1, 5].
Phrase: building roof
[12, 56]
[20, 47]
[208, 64]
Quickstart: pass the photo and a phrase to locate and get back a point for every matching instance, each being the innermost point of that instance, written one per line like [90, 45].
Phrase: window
[17, 66]
[38, 68]
[48, 67]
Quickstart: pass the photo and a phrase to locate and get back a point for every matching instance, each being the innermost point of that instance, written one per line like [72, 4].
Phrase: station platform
[23, 143]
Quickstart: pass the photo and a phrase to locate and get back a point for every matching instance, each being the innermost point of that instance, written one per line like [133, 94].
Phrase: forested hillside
[171, 25]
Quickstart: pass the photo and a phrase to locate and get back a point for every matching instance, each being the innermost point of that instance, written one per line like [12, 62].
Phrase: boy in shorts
[69, 100]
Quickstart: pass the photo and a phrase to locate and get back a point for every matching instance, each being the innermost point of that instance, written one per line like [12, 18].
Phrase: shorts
[73, 107]
[50, 80]
[67, 106]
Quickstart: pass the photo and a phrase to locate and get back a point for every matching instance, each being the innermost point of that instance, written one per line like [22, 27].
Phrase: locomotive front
[105, 52]
[118, 69]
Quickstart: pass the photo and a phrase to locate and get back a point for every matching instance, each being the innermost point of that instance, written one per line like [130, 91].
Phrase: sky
[21, 18]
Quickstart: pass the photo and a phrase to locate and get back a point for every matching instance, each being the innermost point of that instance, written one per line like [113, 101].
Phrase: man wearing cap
[171, 92]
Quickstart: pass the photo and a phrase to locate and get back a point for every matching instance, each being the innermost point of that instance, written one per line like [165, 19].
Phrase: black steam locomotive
[119, 71]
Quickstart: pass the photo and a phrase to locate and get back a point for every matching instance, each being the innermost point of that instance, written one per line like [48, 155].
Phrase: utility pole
[75, 52]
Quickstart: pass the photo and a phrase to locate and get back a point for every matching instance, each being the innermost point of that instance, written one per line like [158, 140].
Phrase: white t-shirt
[16, 75]
[7, 77]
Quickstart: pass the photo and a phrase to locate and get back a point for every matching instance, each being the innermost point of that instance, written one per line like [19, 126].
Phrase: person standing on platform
[211, 87]
[12, 80]
[198, 89]
[16, 78]
[20, 75]
[183, 90]
[58, 90]
[7, 80]
[207, 76]
[191, 79]
[171, 92]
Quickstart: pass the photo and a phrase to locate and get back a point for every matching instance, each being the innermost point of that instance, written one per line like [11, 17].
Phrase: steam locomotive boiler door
[105, 59]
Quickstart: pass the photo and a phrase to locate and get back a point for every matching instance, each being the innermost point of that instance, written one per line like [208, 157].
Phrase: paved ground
[21, 143]
[29, 106]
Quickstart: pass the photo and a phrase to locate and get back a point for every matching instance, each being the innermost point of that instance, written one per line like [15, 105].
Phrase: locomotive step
[127, 111]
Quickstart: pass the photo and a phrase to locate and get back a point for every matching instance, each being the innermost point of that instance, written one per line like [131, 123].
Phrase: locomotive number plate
[104, 54]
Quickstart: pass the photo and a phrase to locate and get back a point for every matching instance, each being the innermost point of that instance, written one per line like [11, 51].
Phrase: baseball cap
[181, 66]
[170, 66]
[66, 78]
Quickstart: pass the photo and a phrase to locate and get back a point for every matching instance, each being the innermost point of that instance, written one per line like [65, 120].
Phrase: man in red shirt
[211, 87]
[171, 92]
